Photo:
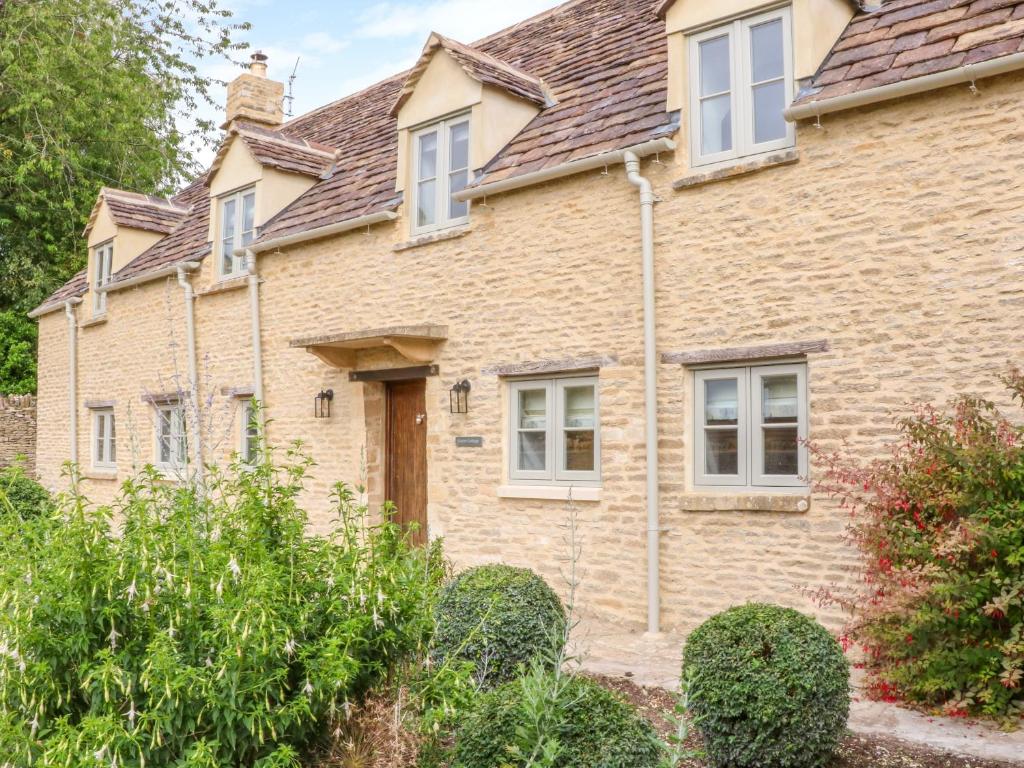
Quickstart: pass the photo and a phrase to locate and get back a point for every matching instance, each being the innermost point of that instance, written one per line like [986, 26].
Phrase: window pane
[781, 451]
[229, 219]
[457, 183]
[248, 217]
[721, 452]
[112, 440]
[426, 203]
[779, 399]
[766, 51]
[579, 450]
[579, 407]
[428, 156]
[459, 147]
[533, 409]
[769, 103]
[714, 66]
[721, 402]
[532, 450]
[716, 124]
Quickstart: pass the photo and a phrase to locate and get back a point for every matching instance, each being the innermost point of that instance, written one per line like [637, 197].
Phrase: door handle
[420, 418]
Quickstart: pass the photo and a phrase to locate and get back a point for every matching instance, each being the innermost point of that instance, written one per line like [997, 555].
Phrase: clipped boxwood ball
[769, 687]
[597, 728]
[498, 618]
[22, 494]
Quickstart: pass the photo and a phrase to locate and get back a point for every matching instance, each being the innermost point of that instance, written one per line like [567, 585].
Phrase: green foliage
[204, 629]
[91, 95]
[17, 354]
[498, 618]
[769, 687]
[940, 525]
[21, 495]
[591, 727]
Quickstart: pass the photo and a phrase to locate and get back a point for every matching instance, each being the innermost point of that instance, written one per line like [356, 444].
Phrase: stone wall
[894, 237]
[18, 431]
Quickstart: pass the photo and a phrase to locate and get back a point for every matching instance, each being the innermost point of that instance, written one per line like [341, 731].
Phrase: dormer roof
[480, 66]
[275, 149]
[665, 5]
[137, 211]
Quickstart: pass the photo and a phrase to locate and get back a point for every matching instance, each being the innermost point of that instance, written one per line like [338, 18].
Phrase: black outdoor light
[322, 404]
[458, 397]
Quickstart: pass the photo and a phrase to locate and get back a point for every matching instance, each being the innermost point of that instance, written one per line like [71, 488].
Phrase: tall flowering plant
[198, 629]
[940, 525]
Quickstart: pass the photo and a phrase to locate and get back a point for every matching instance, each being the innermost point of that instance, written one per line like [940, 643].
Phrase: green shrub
[940, 526]
[594, 728]
[203, 630]
[499, 618]
[22, 495]
[768, 687]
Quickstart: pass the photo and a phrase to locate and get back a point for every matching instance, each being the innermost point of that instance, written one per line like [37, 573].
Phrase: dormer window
[103, 262]
[441, 170]
[741, 81]
[238, 229]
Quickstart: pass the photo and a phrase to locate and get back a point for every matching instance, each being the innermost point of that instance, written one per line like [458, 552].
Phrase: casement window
[104, 439]
[103, 262]
[441, 169]
[171, 439]
[249, 437]
[555, 432]
[750, 426]
[741, 81]
[237, 229]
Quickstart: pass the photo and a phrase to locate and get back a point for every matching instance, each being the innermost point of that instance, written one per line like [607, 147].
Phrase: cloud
[464, 20]
[322, 42]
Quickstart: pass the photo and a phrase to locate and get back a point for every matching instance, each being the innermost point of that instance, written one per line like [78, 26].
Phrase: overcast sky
[346, 45]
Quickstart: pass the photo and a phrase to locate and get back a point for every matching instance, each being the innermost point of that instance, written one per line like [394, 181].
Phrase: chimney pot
[258, 64]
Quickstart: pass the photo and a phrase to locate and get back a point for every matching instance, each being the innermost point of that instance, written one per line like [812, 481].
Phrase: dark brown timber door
[407, 455]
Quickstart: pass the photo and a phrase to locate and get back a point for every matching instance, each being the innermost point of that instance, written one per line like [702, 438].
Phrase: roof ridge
[141, 197]
[483, 54]
[295, 142]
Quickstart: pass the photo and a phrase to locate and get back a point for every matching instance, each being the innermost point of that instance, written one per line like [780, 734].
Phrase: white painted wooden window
[741, 81]
[237, 229]
[249, 437]
[751, 424]
[103, 263]
[104, 439]
[555, 431]
[441, 169]
[171, 436]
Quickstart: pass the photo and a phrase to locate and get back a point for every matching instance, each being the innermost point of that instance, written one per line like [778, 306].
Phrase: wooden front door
[407, 455]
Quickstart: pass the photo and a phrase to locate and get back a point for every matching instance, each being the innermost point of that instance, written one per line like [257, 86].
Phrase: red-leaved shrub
[940, 525]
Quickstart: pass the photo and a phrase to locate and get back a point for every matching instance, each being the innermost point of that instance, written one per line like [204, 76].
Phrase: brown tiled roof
[73, 288]
[904, 39]
[478, 65]
[187, 242]
[278, 150]
[146, 212]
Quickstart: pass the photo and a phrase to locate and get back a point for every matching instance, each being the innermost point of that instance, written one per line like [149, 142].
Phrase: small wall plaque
[469, 442]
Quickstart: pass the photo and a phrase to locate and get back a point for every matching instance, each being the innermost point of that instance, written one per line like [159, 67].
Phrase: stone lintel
[562, 365]
[740, 354]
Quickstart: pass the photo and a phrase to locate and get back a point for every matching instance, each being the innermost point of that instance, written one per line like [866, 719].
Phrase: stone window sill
[550, 492]
[433, 237]
[741, 167]
[746, 502]
[94, 321]
[100, 474]
[223, 286]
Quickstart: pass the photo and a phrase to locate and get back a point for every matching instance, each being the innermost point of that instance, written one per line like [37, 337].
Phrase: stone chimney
[255, 99]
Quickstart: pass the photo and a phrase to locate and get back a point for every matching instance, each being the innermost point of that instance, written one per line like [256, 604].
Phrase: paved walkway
[656, 662]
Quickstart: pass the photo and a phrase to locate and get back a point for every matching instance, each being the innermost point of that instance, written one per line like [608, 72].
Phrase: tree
[90, 96]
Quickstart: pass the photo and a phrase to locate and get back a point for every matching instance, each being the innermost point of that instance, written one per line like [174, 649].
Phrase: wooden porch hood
[417, 343]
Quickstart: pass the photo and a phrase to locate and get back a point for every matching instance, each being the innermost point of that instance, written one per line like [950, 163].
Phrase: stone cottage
[625, 252]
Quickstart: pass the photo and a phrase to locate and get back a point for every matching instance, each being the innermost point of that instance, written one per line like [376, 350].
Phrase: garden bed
[857, 751]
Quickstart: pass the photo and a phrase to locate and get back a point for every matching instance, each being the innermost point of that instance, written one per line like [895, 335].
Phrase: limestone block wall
[18, 431]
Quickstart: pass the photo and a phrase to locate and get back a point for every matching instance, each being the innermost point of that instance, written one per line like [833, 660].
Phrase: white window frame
[246, 411]
[238, 236]
[749, 435]
[103, 267]
[104, 439]
[442, 189]
[741, 77]
[178, 435]
[555, 429]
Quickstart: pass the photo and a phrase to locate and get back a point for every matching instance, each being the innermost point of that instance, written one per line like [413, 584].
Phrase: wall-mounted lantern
[322, 404]
[458, 397]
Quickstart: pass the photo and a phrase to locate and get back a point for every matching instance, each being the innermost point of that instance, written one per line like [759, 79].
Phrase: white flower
[99, 753]
[347, 707]
[132, 714]
[114, 634]
[35, 724]
[308, 689]
[289, 647]
[219, 589]
[132, 592]
[377, 623]
[209, 662]
[235, 568]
